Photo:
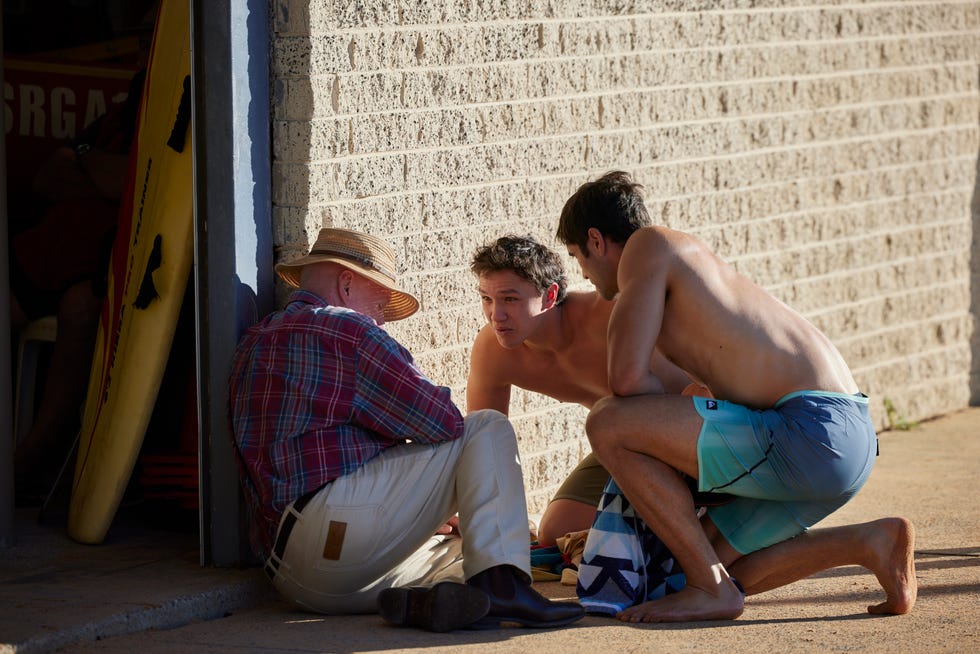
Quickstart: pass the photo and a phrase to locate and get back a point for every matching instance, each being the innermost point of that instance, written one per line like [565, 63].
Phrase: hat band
[367, 263]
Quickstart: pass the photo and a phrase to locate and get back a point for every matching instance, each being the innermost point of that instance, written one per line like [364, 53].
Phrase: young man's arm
[635, 322]
[674, 379]
[486, 387]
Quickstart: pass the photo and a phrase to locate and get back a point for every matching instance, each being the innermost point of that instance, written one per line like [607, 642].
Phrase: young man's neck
[553, 331]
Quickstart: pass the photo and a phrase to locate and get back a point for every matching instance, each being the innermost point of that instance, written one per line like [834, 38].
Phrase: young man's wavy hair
[527, 258]
[613, 204]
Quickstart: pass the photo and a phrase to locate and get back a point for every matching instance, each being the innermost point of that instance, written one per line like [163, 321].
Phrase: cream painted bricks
[828, 149]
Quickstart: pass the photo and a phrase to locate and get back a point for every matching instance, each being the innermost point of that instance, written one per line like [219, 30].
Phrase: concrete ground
[144, 592]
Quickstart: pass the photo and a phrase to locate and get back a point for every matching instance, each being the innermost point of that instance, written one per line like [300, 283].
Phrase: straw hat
[362, 253]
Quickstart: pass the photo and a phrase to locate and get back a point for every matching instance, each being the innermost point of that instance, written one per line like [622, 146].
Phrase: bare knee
[564, 516]
[600, 427]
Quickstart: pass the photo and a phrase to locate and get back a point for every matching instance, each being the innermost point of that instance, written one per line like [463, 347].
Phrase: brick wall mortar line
[614, 131]
[873, 299]
[831, 209]
[867, 172]
[910, 386]
[470, 67]
[897, 71]
[868, 7]
[574, 438]
[892, 328]
[896, 230]
[590, 173]
[797, 180]
[738, 261]
[890, 263]
[866, 137]
[895, 101]
[548, 411]
[655, 52]
[906, 357]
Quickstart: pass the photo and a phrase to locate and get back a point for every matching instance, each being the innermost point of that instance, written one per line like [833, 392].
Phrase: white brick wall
[828, 149]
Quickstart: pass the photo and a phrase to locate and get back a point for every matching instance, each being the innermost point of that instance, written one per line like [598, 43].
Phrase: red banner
[46, 104]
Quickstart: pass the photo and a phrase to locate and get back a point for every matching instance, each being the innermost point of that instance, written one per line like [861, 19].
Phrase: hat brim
[401, 305]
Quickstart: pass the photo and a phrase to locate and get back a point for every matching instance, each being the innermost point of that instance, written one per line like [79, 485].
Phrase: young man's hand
[451, 528]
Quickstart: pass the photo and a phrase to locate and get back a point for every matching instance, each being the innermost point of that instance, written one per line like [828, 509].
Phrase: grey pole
[233, 219]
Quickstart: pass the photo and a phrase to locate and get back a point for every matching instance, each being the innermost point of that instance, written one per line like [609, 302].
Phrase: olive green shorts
[585, 483]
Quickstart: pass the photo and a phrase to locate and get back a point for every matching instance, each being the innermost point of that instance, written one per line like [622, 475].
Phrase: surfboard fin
[178, 136]
[148, 290]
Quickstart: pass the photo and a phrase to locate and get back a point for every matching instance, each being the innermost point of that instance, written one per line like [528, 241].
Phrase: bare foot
[688, 605]
[894, 546]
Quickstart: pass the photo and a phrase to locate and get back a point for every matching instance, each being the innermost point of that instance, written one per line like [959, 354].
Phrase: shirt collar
[307, 297]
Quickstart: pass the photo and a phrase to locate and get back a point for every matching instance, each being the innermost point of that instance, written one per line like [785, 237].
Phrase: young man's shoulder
[485, 346]
[657, 236]
[587, 307]
[589, 298]
[493, 364]
[656, 247]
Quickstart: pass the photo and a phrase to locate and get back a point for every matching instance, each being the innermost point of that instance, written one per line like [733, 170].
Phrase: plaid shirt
[315, 392]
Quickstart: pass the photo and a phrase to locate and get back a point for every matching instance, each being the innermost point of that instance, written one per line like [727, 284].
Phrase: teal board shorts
[789, 466]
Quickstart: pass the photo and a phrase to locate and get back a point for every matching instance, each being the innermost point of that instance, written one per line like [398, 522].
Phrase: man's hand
[451, 528]
[695, 388]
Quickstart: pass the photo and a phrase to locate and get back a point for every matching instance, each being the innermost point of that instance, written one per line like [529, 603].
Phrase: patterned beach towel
[624, 563]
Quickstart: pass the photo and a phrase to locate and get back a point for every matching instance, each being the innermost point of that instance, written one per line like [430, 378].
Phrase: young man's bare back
[783, 400]
[737, 339]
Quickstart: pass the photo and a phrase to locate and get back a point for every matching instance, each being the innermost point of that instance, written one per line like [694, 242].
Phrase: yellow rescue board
[151, 262]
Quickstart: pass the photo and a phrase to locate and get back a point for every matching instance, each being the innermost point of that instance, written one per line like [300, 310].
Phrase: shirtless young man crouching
[543, 338]
[787, 430]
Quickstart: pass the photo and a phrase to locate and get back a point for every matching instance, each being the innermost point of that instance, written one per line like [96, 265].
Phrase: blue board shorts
[789, 466]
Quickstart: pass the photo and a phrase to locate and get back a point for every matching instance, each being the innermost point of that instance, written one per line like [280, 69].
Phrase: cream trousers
[373, 528]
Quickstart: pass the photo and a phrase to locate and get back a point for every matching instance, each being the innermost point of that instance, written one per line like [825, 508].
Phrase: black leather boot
[513, 600]
[443, 607]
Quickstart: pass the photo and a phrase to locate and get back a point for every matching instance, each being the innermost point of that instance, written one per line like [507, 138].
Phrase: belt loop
[288, 522]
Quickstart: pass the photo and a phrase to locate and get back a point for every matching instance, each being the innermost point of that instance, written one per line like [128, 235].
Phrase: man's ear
[596, 241]
[550, 297]
[344, 280]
